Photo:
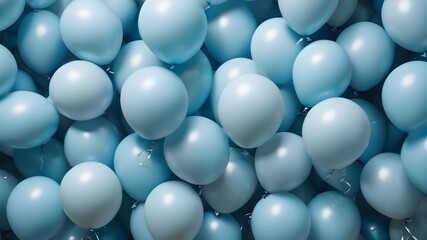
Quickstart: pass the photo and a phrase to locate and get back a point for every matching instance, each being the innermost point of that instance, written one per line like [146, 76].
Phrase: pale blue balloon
[414, 227]
[28, 120]
[7, 183]
[173, 30]
[10, 10]
[280, 216]
[91, 31]
[342, 13]
[229, 32]
[8, 70]
[321, 70]
[40, 4]
[154, 102]
[219, 226]
[292, 107]
[24, 82]
[34, 209]
[91, 141]
[307, 16]
[125, 10]
[371, 52]
[403, 93]
[138, 227]
[58, 7]
[274, 47]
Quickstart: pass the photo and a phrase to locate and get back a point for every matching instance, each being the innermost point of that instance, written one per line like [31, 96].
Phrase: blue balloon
[414, 227]
[342, 13]
[40, 4]
[364, 12]
[8, 70]
[378, 5]
[138, 227]
[24, 82]
[7, 183]
[306, 191]
[292, 107]
[375, 226]
[10, 10]
[219, 226]
[126, 11]
[262, 8]
[58, 7]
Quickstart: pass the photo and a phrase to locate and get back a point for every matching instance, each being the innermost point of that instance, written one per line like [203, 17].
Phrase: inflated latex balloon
[250, 110]
[24, 82]
[374, 225]
[7, 184]
[173, 210]
[10, 10]
[34, 209]
[412, 228]
[198, 151]
[229, 32]
[274, 49]
[125, 10]
[404, 98]
[28, 120]
[40, 4]
[371, 52]
[219, 226]
[58, 7]
[8, 70]
[321, 70]
[343, 13]
[305, 191]
[378, 5]
[307, 16]
[364, 12]
[235, 186]
[292, 107]
[282, 163]
[334, 216]
[262, 9]
[336, 132]
[280, 216]
[140, 165]
[91, 195]
[387, 188]
[173, 30]
[402, 18]
[395, 138]
[91, 31]
[154, 102]
[138, 227]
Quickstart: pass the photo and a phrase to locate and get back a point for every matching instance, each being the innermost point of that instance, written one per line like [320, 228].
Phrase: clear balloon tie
[264, 195]
[172, 67]
[356, 93]
[135, 205]
[424, 55]
[329, 174]
[109, 70]
[304, 111]
[304, 39]
[42, 156]
[411, 236]
[88, 237]
[216, 213]
[200, 190]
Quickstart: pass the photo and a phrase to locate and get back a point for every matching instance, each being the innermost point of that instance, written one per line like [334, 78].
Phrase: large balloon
[138, 227]
[8, 70]
[10, 10]
[173, 30]
[342, 13]
[7, 184]
[219, 226]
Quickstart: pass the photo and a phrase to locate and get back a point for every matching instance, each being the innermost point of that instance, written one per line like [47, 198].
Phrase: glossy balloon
[24, 82]
[40, 4]
[10, 10]
[138, 227]
[7, 183]
[292, 107]
[414, 227]
[342, 13]
[219, 226]
[8, 70]
[125, 10]
[58, 7]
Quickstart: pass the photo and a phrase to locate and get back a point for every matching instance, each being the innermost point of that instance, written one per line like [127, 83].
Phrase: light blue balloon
[28, 120]
[10, 10]
[58, 7]
[138, 227]
[321, 70]
[274, 47]
[219, 226]
[401, 19]
[342, 13]
[229, 32]
[307, 16]
[292, 107]
[371, 52]
[91, 31]
[24, 82]
[154, 102]
[40, 4]
[8, 70]
[280, 216]
[173, 30]
[34, 209]
[91, 141]
[403, 93]
[125, 10]
[7, 183]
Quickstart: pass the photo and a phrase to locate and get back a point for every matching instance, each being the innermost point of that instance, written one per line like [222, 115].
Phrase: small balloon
[8, 71]
[125, 10]
[10, 10]
[24, 82]
[40, 4]
[218, 226]
[292, 107]
[342, 13]
[7, 183]
[138, 227]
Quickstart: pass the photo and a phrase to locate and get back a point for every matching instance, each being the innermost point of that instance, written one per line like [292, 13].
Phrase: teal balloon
[24, 82]
[8, 70]
[229, 32]
[91, 195]
[336, 132]
[58, 7]
[364, 12]
[386, 187]
[250, 110]
[126, 11]
[235, 187]
[280, 216]
[282, 163]
[262, 9]
[321, 70]
[375, 226]
[198, 151]
[395, 138]
[334, 216]
[28, 120]
[401, 19]
[138, 227]
[371, 52]
[140, 165]
[378, 5]
[402, 92]
[173, 210]
[173, 30]
[218, 226]
[7, 183]
[34, 209]
[306, 191]
[91, 31]
[292, 107]
[40, 4]
[10, 10]
[274, 47]
[307, 16]
[414, 227]
[342, 13]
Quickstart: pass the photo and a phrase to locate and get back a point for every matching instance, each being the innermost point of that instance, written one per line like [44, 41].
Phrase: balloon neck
[200, 190]
[216, 213]
[305, 39]
[329, 174]
[424, 54]
[209, 5]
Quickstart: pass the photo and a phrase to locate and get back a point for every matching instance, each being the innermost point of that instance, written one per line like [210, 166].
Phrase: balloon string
[135, 205]
[42, 157]
[109, 70]
[304, 111]
[329, 174]
[424, 54]
[407, 221]
[89, 237]
[172, 67]
[200, 190]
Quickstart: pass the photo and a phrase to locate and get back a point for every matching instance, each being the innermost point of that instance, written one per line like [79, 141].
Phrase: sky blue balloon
[386, 187]
[280, 216]
[34, 209]
[24, 82]
[307, 16]
[292, 106]
[173, 210]
[218, 226]
[173, 30]
[7, 183]
[10, 10]
[138, 227]
[91, 31]
[91, 194]
[8, 70]
[250, 110]
[140, 165]
[40, 4]
[336, 132]
[371, 52]
[274, 49]
[145, 105]
[403, 93]
[342, 13]
[401, 19]
[39, 42]
[58, 7]
[28, 120]
[229, 32]
[125, 10]
[321, 70]
[91, 141]
[198, 151]
[282, 163]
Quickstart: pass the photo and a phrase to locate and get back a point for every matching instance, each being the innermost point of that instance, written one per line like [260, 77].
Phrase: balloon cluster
[213, 119]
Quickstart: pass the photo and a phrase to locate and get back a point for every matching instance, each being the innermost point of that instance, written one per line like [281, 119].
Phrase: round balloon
[8, 71]
[126, 11]
[414, 227]
[292, 107]
[219, 226]
[138, 227]
[342, 13]
[7, 183]
[10, 10]
[24, 82]
[39, 4]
